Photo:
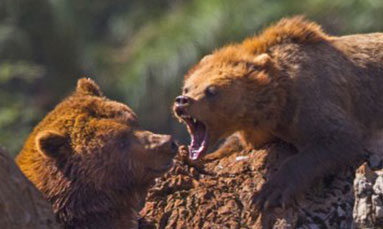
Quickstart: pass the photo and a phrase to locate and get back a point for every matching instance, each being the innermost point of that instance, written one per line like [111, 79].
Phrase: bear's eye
[211, 91]
[186, 90]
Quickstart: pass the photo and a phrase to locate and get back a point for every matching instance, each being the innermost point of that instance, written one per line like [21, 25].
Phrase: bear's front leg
[283, 187]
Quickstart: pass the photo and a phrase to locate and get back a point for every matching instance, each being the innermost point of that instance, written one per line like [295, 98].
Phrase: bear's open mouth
[199, 138]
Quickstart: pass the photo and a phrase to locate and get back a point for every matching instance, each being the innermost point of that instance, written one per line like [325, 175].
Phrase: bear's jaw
[199, 137]
[159, 171]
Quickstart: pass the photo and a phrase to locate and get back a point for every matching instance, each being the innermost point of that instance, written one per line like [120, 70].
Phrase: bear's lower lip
[199, 138]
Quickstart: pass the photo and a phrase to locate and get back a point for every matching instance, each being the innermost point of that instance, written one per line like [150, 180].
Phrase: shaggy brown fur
[92, 162]
[292, 82]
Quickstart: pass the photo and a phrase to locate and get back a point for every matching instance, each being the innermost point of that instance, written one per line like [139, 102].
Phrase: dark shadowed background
[136, 50]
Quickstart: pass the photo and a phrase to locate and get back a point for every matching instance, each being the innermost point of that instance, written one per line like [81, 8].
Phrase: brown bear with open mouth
[293, 82]
[92, 161]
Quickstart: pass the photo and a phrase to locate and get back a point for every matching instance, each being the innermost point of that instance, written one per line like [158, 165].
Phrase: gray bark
[21, 204]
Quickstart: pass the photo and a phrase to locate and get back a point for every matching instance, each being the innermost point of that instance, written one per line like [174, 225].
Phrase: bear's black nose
[182, 100]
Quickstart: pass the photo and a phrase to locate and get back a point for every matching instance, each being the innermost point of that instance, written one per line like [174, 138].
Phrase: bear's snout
[165, 144]
[181, 104]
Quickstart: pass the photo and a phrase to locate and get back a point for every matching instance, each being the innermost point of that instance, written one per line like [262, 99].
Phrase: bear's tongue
[198, 134]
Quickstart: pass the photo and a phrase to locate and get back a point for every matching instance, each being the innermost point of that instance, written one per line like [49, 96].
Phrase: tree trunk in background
[21, 204]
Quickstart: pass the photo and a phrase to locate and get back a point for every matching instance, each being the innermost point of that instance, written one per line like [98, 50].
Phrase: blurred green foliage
[136, 50]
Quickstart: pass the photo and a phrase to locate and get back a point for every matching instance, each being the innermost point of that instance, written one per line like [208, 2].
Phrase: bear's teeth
[194, 120]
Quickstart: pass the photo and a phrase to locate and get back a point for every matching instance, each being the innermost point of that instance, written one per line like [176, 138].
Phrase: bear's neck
[128, 216]
[93, 209]
[260, 123]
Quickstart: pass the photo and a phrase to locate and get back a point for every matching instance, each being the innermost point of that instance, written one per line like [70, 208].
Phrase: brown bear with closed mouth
[293, 82]
[92, 161]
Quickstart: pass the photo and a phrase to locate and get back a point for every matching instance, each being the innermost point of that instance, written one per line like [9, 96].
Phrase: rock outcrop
[217, 194]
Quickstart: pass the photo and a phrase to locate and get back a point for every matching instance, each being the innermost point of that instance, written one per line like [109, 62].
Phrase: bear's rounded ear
[262, 59]
[52, 144]
[86, 86]
[260, 68]
[206, 58]
[260, 62]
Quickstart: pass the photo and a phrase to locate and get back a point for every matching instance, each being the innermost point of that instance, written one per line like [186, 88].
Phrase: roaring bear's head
[225, 92]
[241, 87]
